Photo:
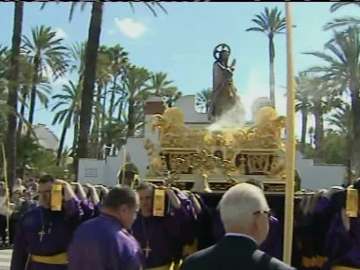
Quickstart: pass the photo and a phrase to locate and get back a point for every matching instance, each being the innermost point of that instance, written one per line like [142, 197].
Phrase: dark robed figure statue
[224, 92]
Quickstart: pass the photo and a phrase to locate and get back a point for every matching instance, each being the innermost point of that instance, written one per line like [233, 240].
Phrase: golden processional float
[203, 161]
[206, 160]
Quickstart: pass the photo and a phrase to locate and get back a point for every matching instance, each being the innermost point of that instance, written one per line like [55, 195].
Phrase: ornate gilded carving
[156, 163]
[257, 149]
[258, 163]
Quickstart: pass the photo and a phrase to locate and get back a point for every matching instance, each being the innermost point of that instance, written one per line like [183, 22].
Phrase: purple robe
[343, 247]
[101, 244]
[187, 226]
[188, 218]
[58, 227]
[162, 234]
[88, 208]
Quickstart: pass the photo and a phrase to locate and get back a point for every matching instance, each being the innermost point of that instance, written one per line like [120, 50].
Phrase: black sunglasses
[267, 212]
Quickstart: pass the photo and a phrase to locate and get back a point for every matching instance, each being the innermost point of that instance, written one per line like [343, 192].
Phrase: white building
[45, 137]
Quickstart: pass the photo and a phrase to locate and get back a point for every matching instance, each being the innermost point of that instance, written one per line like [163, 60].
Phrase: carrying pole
[290, 142]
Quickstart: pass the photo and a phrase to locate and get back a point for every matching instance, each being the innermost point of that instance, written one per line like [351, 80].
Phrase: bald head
[244, 209]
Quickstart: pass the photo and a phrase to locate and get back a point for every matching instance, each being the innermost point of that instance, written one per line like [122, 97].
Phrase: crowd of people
[108, 228]
[100, 228]
[24, 197]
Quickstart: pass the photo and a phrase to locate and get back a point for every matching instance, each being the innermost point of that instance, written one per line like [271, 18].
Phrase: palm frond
[72, 9]
[336, 6]
[341, 22]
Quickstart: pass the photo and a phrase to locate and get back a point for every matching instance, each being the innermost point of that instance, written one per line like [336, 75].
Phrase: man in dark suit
[245, 215]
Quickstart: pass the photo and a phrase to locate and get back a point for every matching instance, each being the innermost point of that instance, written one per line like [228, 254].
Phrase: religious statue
[224, 95]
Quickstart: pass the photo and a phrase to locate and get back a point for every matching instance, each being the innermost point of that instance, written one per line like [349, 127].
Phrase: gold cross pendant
[147, 250]
[41, 235]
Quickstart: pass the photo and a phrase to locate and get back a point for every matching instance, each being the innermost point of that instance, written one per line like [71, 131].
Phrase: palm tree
[103, 79]
[70, 98]
[159, 83]
[136, 85]
[344, 21]
[77, 58]
[203, 99]
[43, 89]
[4, 57]
[4, 108]
[164, 88]
[343, 66]
[92, 47]
[318, 97]
[77, 62]
[118, 64]
[89, 78]
[270, 22]
[4, 64]
[171, 95]
[47, 55]
[12, 101]
[303, 104]
[322, 100]
[342, 119]
[25, 80]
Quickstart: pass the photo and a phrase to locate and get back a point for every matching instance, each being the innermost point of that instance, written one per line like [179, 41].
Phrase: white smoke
[233, 118]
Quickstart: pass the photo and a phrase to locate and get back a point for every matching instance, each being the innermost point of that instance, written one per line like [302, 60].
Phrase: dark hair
[144, 186]
[256, 182]
[120, 196]
[46, 179]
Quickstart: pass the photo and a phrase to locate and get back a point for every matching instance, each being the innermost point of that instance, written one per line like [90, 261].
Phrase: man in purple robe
[43, 235]
[104, 243]
[159, 237]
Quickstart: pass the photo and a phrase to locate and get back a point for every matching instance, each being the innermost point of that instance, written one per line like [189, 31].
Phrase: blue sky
[181, 42]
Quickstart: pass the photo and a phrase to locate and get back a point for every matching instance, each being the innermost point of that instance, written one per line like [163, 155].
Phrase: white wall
[187, 105]
[91, 171]
[316, 177]
[112, 165]
[138, 154]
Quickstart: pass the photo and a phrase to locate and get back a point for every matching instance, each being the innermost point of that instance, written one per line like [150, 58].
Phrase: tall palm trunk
[87, 95]
[22, 112]
[62, 138]
[272, 70]
[355, 109]
[131, 117]
[120, 111]
[95, 131]
[112, 100]
[304, 120]
[12, 96]
[76, 135]
[109, 139]
[319, 131]
[102, 126]
[348, 158]
[33, 89]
